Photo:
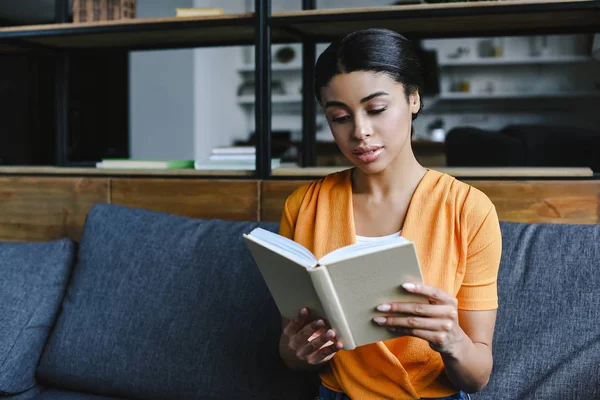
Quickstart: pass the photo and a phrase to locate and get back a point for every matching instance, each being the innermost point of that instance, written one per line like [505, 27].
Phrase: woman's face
[370, 118]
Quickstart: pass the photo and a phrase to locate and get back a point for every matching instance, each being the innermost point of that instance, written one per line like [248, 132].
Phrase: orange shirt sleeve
[483, 250]
[291, 208]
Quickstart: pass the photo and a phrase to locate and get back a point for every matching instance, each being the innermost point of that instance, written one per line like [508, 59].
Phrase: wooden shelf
[516, 95]
[76, 171]
[132, 34]
[464, 19]
[459, 172]
[483, 172]
[502, 61]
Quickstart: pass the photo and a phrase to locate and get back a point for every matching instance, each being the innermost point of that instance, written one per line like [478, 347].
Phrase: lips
[368, 153]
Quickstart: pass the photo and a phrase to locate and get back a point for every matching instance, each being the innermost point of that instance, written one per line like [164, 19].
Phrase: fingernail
[330, 334]
[304, 311]
[384, 307]
[380, 320]
[319, 323]
[408, 286]
[391, 329]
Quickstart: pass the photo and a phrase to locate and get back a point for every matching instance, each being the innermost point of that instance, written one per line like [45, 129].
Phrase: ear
[414, 102]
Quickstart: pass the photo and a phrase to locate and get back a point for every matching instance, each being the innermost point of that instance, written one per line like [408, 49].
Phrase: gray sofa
[150, 305]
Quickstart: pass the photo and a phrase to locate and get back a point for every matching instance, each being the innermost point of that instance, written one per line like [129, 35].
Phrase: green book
[144, 164]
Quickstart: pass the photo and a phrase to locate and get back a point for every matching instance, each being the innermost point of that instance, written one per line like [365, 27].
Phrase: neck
[404, 172]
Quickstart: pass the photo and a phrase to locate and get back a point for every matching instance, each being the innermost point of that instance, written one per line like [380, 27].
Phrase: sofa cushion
[167, 307]
[547, 339]
[33, 277]
[55, 394]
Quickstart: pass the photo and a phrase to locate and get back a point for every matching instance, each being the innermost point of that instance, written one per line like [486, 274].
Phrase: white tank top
[371, 239]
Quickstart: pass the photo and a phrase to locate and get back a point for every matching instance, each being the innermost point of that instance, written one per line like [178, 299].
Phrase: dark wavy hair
[376, 50]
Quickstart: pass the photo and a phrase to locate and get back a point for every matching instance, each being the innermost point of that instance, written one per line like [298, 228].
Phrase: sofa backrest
[547, 339]
[168, 307]
[162, 306]
[33, 279]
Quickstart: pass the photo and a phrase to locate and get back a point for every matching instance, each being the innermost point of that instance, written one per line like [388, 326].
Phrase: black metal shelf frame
[269, 29]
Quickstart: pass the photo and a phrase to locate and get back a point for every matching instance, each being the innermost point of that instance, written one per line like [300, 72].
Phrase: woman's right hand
[309, 340]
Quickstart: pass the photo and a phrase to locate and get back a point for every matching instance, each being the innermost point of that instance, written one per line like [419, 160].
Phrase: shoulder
[470, 204]
[310, 191]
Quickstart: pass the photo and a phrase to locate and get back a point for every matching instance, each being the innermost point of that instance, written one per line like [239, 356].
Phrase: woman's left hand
[436, 322]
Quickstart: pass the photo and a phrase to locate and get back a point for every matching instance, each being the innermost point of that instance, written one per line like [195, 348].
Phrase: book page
[286, 247]
[354, 250]
[363, 282]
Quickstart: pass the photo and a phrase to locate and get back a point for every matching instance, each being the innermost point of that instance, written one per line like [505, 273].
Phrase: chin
[371, 168]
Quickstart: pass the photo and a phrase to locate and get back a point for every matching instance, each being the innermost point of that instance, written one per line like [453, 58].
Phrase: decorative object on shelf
[198, 12]
[459, 53]
[491, 47]
[435, 131]
[103, 10]
[538, 46]
[461, 86]
[247, 88]
[285, 55]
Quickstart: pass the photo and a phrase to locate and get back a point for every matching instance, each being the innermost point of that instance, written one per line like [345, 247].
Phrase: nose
[362, 128]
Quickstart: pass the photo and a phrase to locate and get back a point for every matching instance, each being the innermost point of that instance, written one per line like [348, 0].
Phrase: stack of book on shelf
[233, 158]
[198, 12]
[126, 163]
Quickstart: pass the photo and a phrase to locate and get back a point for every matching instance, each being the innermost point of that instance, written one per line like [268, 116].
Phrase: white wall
[218, 119]
[161, 95]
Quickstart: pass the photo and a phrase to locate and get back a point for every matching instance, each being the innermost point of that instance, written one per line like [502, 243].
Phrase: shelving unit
[437, 20]
[309, 26]
[501, 61]
[510, 96]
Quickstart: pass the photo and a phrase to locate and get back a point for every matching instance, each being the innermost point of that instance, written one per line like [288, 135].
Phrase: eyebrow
[363, 100]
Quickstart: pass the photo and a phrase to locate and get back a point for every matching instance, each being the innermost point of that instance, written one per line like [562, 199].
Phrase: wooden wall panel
[272, 198]
[569, 202]
[47, 208]
[225, 199]
[518, 201]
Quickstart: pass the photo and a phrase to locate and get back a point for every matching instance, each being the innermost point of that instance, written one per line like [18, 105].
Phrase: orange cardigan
[457, 236]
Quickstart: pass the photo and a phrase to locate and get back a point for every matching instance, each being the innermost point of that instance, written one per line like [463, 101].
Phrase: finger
[423, 323]
[297, 323]
[325, 337]
[324, 354]
[425, 310]
[434, 294]
[301, 338]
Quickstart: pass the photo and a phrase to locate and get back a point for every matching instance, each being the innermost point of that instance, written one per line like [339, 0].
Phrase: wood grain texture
[125, 23]
[79, 171]
[197, 198]
[569, 202]
[544, 201]
[140, 32]
[459, 172]
[455, 19]
[431, 6]
[47, 208]
[273, 195]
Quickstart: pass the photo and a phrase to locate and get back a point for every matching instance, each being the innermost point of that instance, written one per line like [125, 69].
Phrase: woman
[368, 84]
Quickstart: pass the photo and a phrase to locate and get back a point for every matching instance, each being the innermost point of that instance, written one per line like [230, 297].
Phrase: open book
[343, 287]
